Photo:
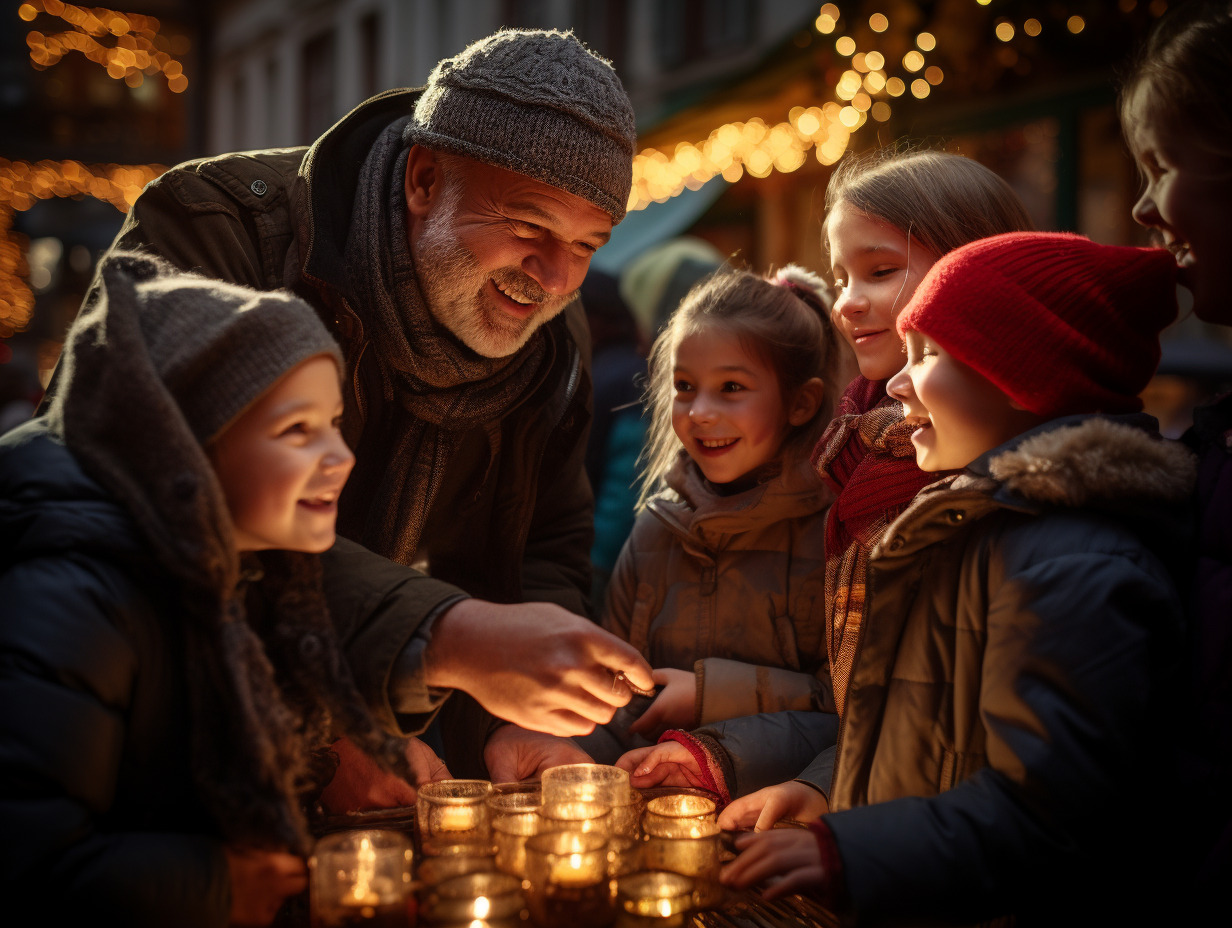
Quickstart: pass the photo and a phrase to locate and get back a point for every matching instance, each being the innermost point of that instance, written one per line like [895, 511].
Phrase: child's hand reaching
[792, 800]
[260, 881]
[666, 764]
[674, 707]
[788, 858]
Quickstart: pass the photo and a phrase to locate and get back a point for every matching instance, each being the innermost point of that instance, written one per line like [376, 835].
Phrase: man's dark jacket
[515, 526]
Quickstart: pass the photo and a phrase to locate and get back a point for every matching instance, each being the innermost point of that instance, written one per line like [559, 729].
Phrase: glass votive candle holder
[568, 881]
[586, 783]
[575, 816]
[655, 898]
[627, 815]
[452, 811]
[510, 802]
[361, 876]
[445, 861]
[624, 856]
[510, 833]
[679, 816]
[488, 896]
[694, 855]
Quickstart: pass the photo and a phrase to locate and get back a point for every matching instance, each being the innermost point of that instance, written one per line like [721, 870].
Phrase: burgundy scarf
[867, 457]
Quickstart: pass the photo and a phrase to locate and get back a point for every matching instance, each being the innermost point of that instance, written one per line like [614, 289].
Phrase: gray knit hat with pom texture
[216, 346]
[537, 102]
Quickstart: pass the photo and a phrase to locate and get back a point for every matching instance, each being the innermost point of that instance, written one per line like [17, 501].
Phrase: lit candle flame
[365, 872]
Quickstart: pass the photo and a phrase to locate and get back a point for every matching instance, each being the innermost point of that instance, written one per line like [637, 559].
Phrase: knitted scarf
[867, 457]
[445, 387]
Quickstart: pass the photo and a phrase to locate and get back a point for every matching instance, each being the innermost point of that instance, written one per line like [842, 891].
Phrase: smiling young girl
[1024, 625]
[1176, 109]
[719, 583]
[169, 672]
[892, 214]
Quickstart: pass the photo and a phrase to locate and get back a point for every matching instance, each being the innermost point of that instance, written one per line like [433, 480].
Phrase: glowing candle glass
[514, 801]
[586, 783]
[360, 878]
[624, 855]
[693, 855]
[511, 833]
[490, 896]
[575, 816]
[627, 815]
[655, 897]
[444, 861]
[569, 884]
[679, 816]
[452, 811]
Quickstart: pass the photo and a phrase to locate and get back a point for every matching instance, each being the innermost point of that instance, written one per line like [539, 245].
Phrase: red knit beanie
[1058, 323]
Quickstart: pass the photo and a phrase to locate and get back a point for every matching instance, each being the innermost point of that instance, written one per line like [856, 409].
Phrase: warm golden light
[22, 184]
[913, 61]
[825, 24]
[880, 111]
[926, 41]
[1032, 27]
[878, 22]
[895, 87]
[138, 48]
[920, 88]
[934, 75]
[846, 45]
[875, 61]
[1005, 30]
[829, 9]
[1075, 24]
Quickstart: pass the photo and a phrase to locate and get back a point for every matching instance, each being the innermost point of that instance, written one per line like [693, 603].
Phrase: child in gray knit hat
[166, 714]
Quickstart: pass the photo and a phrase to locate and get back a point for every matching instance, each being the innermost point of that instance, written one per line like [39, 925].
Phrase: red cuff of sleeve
[834, 884]
[711, 775]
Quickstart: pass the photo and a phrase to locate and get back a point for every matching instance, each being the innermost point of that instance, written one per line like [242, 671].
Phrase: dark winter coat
[103, 826]
[730, 588]
[1012, 681]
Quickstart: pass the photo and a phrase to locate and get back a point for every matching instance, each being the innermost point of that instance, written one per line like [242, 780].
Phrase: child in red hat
[1023, 624]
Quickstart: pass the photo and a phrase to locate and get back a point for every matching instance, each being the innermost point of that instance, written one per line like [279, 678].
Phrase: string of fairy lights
[131, 49]
[865, 90]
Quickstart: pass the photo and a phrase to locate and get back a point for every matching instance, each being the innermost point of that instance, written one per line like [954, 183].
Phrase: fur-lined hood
[1090, 461]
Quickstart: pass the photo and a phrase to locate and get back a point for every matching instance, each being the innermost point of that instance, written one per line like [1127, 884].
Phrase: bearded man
[442, 234]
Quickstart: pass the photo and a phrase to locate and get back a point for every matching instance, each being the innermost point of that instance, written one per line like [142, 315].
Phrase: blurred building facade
[743, 106]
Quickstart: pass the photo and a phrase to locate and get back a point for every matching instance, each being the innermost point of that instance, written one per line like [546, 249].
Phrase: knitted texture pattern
[218, 347]
[537, 102]
[1058, 323]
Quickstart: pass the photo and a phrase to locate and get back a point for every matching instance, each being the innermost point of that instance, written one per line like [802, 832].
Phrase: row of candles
[579, 848]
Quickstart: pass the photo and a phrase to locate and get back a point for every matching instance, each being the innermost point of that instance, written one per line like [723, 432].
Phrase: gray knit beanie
[216, 346]
[537, 102]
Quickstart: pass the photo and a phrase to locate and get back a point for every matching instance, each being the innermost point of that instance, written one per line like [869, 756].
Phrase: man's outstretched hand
[534, 664]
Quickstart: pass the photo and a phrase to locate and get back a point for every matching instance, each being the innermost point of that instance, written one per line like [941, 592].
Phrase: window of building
[370, 54]
[317, 101]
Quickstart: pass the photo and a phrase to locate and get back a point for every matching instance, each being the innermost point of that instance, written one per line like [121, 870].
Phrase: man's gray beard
[453, 283]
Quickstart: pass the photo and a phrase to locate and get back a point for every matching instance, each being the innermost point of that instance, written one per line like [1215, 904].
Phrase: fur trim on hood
[1096, 460]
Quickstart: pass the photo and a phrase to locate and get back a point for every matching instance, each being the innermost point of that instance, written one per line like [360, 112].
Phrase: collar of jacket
[1114, 464]
[692, 507]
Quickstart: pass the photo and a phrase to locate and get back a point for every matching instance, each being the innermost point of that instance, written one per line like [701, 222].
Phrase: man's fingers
[621, 657]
